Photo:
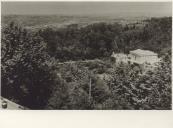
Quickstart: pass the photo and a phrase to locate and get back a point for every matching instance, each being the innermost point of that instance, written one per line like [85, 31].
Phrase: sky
[134, 9]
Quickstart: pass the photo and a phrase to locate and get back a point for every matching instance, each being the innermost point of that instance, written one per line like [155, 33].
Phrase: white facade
[137, 56]
[143, 56]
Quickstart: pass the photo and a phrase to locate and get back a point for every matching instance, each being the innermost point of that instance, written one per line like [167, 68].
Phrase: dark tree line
[100, 39]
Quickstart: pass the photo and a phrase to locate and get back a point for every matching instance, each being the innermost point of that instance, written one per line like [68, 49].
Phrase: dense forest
[33, 76]
[100, 39]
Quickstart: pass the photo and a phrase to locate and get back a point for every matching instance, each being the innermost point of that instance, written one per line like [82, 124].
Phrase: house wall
[143, 59]
[134, 58]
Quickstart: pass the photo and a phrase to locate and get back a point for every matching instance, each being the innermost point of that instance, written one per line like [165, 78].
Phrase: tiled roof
[143, 52]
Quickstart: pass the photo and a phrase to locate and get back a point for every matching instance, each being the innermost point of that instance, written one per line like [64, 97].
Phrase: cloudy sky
[89, 8]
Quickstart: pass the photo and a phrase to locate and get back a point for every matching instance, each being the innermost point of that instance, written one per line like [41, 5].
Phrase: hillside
[35, 22]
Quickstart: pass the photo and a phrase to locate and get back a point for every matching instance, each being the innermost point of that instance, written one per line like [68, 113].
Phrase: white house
[137, 56]
[143, 56]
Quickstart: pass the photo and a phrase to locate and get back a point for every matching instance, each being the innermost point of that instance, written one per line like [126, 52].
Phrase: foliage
[25, 78]
[151, 90]
[35, 75]
[98, 40]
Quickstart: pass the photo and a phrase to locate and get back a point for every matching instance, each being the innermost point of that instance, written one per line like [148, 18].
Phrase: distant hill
[57, 21]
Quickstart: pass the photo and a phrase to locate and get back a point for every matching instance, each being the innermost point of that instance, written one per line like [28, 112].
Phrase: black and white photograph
[86, 55]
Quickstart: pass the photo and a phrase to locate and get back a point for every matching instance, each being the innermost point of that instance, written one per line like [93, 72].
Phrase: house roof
[10, 104]
[143, 52]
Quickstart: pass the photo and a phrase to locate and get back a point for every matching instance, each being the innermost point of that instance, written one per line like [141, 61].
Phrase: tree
[26, 79]
[151, 90]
